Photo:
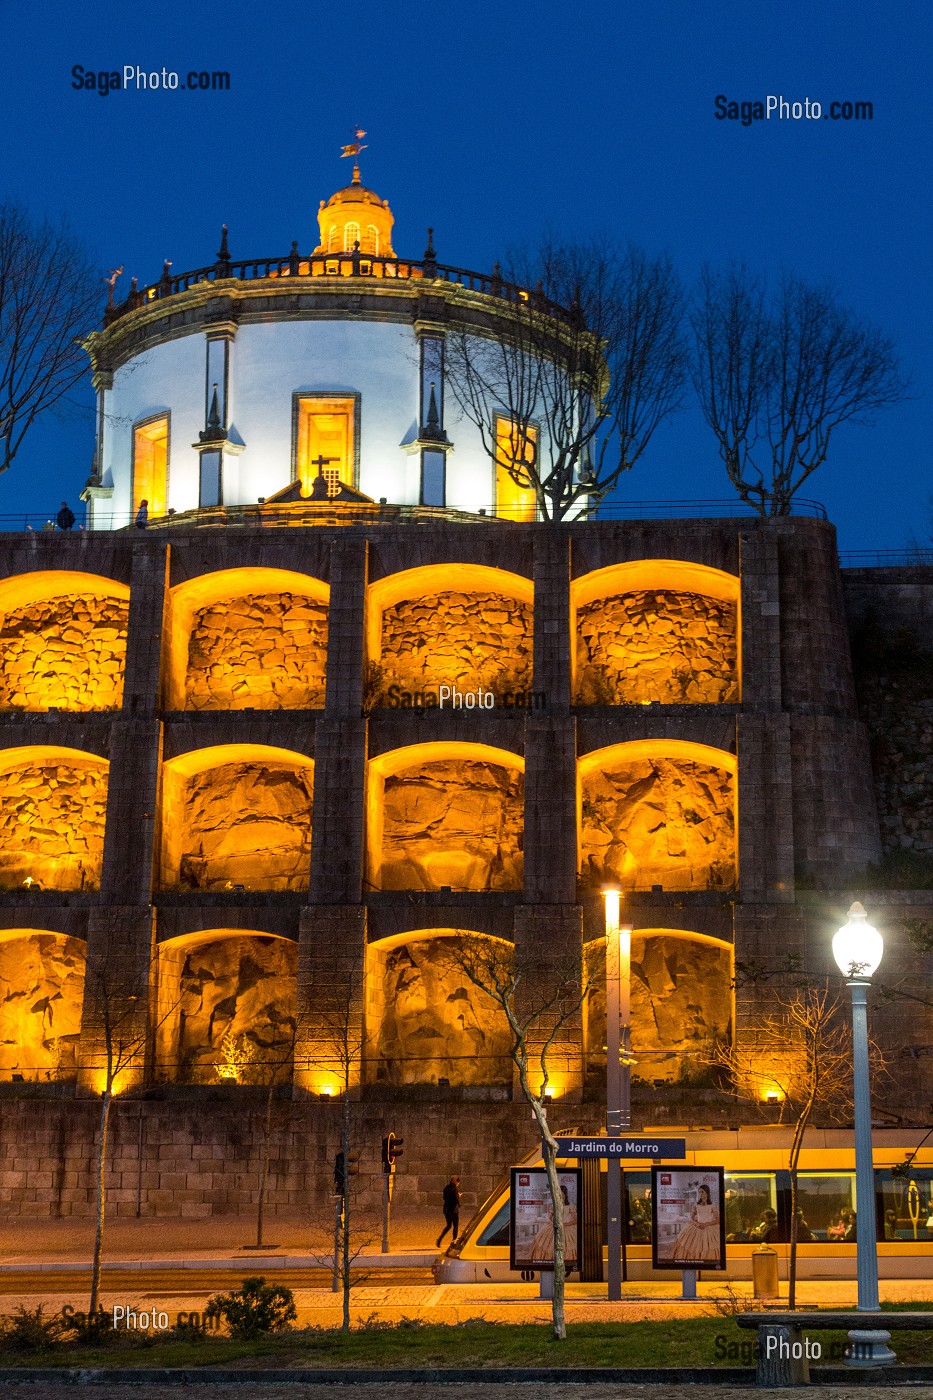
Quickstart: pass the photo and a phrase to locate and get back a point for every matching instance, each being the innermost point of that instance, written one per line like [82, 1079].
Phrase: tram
[757, 1206]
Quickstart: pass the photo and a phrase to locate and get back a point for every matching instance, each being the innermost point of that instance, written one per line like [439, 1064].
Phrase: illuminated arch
[62, 641]
[451, 855]
[476, 632]
[674, 824]
[703, 660]
[243, 827]
[41, 996]
[224, 586]
[53, 818]
[426, 1021]
[226, 1006]
[682, 1002]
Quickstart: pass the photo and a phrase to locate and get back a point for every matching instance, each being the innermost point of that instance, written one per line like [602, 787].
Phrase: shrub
[28, 1329]
[255, 1309]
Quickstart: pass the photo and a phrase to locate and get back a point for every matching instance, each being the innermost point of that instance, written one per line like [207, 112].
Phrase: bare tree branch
[776, 374]
[49, 300]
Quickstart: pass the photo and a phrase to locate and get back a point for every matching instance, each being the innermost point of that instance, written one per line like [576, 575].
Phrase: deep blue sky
[491, 122]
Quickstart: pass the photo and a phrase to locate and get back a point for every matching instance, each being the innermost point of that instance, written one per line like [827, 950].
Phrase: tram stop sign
[634, 1148]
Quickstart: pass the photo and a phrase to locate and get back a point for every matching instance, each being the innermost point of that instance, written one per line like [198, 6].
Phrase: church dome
[352, 215]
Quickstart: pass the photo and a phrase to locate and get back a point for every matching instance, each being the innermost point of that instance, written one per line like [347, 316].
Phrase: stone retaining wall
[265, 651]
[52, 818]
[66, 653]
[463, 639]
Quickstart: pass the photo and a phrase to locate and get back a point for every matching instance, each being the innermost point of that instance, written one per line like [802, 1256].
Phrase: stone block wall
[52, 817]
[664, 646]
[265, 652]
[470, 640]
[66, 653]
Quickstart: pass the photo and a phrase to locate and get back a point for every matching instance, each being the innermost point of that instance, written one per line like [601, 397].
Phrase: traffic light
[341, 1172]
[391, 1148]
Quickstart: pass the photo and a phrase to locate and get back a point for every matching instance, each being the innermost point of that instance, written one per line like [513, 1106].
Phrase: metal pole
[386, 1210]
[614, 1091]
[866, 1231]
[625, 1067]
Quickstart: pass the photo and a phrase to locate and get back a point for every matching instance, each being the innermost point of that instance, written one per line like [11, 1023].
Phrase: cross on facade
[322, 462]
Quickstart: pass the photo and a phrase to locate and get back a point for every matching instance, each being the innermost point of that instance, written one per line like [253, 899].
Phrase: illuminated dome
[356, 214]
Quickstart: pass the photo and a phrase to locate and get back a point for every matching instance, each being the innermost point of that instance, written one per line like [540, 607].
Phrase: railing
[352, 264]
[884, 558]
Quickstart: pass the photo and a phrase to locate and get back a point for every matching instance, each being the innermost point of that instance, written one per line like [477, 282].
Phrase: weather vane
[354, 148]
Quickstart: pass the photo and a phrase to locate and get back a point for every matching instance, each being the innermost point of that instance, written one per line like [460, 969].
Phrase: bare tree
[49, 299]
[777, 373]
[583, 369]
[272, 1070]
[802, 1052]
[539, 1002]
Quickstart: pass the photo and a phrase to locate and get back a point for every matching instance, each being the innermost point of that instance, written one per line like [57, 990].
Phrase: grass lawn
[706, 1341]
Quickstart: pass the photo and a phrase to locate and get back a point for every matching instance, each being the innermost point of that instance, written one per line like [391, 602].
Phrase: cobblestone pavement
[11, 1390]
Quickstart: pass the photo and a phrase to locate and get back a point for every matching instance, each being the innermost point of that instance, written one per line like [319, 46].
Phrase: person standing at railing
[65, 518]
[142, 515]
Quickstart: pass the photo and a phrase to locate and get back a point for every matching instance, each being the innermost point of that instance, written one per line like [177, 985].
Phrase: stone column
[332, 931]
[142, 688]
[549, 949]
[119, 976]
[766, 811]
[760, 620]
[331, 998]
[552, 639]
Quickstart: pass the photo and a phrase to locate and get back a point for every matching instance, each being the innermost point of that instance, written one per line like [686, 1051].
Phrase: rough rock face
[435, 1024]
[453, 823]
[266, 651]
[52, 826]
[41, 991]
[231, 1005]
[464, 639]
[247, 824]
[659, 821]
[68, 653]
[677, 648]
[681, 1005]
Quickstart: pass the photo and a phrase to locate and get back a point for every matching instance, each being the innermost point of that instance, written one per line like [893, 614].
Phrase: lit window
[351, 235]
[150, 464]
[371, 241]
[325, 442]
[332, 239]
[516, 449]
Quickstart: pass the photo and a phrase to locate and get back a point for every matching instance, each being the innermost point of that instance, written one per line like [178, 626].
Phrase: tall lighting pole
[858, 948]
[618, 1075]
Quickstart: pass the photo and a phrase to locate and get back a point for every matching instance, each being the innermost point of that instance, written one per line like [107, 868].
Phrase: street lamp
[618, 1074]
[857, 948]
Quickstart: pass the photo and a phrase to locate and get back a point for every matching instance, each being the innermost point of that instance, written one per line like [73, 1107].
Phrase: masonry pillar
[332, 930]
[119, 992]
[760, 620]
[552, 640]
[766, 809]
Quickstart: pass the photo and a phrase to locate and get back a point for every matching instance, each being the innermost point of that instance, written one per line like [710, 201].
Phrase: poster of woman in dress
[689, 1231]
[533, 1219]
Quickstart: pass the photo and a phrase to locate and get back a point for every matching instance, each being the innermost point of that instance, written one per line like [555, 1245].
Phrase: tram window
[638, 1187]
[828, 1205]
[906, 1207]
[499, 1229]
[751, 1209]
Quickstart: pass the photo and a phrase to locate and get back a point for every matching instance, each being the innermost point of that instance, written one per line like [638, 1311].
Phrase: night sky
[493, 123]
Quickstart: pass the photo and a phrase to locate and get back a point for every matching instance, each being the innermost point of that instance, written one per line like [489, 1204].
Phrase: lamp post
[857, 948]
[618, 1075]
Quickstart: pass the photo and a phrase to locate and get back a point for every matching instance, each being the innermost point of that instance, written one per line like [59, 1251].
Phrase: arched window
[371, 241]
[351, 235]
[332, 239]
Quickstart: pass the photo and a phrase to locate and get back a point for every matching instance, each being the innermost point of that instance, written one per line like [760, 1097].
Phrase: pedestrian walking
[65, 518]
[451, 1210]
[142, 515]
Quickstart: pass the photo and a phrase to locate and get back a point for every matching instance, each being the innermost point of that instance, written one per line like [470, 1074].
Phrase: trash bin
[765, 1272]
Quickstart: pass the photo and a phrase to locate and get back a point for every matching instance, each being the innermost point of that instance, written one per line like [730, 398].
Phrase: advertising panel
[532, 1234]
[688, 1225]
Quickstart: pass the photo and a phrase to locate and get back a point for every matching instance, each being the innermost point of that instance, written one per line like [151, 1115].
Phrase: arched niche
[226, 1007]
[53, 810]
[62, 641]
[658, 812]
[237, 815]
[41, 995]
[248, 638]
[681, 1004]
[656, 630]
[463, 625]
[446, 814]
[427, 1022]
